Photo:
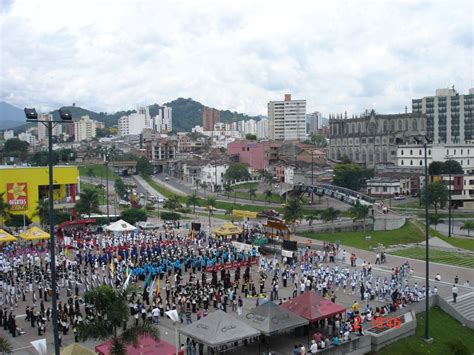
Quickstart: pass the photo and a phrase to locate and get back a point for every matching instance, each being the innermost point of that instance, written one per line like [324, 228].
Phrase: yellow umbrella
[34, 233]
[6, 237]
[76, 349]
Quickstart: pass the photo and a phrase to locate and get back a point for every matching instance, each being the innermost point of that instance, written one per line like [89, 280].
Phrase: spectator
[455, 293]
[314, 347]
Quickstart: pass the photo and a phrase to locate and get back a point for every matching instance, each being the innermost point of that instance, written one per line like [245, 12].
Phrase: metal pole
[107, 189]
[427, 307]
[312, 177]
[52, 246]
[449, 207]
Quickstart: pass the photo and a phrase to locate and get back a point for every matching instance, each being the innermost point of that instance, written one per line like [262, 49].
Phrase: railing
[341, 193]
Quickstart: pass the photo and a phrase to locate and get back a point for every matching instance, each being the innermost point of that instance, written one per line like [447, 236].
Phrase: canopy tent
[271, 320]
[313, 307]
[245, 214]
[76, 349]
[121, 226]
[6, 237]
[219, 328]
[77, 222]
[34, 233]
[146, 346]
[227, 229]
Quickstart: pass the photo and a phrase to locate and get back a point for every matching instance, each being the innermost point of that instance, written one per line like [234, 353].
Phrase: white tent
[121, 226]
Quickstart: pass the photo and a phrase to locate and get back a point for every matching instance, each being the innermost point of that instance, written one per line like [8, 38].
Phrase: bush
[134, 215]
[170, 216]
[16, 220]
[183, 210]
[458, 348]
[150, 207]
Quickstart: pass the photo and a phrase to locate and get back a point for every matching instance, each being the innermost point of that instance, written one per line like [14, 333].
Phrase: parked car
[399, 197]
[167, 178]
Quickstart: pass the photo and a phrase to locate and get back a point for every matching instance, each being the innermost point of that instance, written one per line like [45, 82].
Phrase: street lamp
[427, 307]
[106, 161]
[66, 117]
[449, 197]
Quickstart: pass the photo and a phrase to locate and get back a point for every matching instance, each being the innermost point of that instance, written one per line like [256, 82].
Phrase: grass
[438, 256]
[98, 170]
[247, 185]
[409, 233]
[411, 204]
[102, 199]
[439, 323]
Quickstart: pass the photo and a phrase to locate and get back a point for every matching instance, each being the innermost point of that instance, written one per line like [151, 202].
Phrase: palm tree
[5, 346]
[329, 215]
[310, 218]
[193, 200]
[228, 190]
[293, 210]
[204, 187]
[359, 212]
[42, 211]
[88, 202]
[173, 203]
[211, 203]
[468, 225]
[434, 220]
[112, 313]
[268, 195]
[252, 193]
[4, 209]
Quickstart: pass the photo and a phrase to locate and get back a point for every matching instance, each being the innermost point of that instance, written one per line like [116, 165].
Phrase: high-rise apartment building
[8, 134]
[85, 128]
[450, 116]
[287, 119]
[43, 131]
[135, 122]
[28, 137]
[163, 121]
[262, 128]
[210, 116]
[314, 122]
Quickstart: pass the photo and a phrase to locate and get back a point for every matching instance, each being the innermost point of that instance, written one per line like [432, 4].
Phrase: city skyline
[232, 56]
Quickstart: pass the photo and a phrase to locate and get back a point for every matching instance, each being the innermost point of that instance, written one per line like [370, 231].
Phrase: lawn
[246, 186]
[439, 322]
[409, 233]
[96, 170]
[438, 256]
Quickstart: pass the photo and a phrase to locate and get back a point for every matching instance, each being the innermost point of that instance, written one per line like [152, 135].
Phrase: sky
[338, 55]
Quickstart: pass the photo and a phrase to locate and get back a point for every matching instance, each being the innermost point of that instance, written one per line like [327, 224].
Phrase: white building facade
[134, 123]
[43, 131]
[163, 122]
[262, 128]
[213, 174]
[8, 134]
[28, 137]
[86, 128]
[287, 119]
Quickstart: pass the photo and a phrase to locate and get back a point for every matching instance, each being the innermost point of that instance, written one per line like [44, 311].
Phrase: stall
[146, 346]
[34, 233]
[313, 307]
[220, 331]
[121, 226]
[227, 229]
[6, 237]
[277, 229]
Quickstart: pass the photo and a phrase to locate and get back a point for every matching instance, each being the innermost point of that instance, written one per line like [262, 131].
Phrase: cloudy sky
[338, 55]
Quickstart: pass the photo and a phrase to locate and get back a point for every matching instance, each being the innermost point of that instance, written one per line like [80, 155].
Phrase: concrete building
[383, 187]
[287, 119]
[249, 152]
[412, 155]
[461, 187]
[210, 116]
[135, 122]
[314, 119]
[8, 134]
[289, 175]
[213, 174]
[28, 137]
[43, 131]
[450, 116]
[262, 128]
[163, 121]
[162, 149]
[85, 128]
[372, 138]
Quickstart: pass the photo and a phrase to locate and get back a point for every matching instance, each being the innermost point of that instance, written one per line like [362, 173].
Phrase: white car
[399, 197]
[167, 178]
[161, 200]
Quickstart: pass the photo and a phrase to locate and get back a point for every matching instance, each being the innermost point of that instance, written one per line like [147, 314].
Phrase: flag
[112, 266]
[152, 290]
[127, 281]
[157, 293]
[126, 271]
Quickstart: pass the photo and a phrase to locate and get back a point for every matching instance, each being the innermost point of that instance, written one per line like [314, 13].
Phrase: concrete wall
[343, 226]
[384, 224]
[448, 308]
[381, 340]
[357, 346]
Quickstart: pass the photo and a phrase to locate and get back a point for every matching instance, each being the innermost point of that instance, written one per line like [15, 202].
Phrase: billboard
[17, 196]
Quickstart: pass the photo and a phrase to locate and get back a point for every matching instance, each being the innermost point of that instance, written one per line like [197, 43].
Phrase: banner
[17, 196]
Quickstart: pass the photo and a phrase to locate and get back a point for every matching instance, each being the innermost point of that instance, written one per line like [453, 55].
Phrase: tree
[310, 218]
[5, 346]
[268, 195]
[192, 200]
[170, 216]
[434, 219]
[18, 220]
[437, 195]
[134, 215]
[319, 140]
[359, 212]
[436, 168]
[120, 187]
[351, 176]
[172, 203]
[4, 209]
[42, 211]
[452, 167]
[15, 145]
[144, 167]
[42, 158]
[111, 314]
[293, 210]
[266, 176]
[252, 193]
[468, 225]
[211, 203]
[251, 137]
[228, 190]
[88, 202]
[329, 215]
[237, 171]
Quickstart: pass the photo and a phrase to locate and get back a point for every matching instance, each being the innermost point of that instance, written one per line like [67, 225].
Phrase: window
[402, 152]
[411, 162]
[419, 152]
[421, 162]
[415, 125]
[454, 151]
[411, 152]
[447, 151]
[429, 151]
[403, 162]
[248, 149]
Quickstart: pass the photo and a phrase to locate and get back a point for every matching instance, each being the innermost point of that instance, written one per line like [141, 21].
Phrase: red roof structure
[146, 346]
[313, 307]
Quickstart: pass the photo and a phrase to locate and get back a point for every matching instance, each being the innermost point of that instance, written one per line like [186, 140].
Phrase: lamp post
[449, 198]
[107, 186]
[427, 306]
[66, 117]
[312, 177]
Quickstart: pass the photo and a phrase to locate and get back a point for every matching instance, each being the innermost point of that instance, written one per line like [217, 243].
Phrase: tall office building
[314, 121]
[43, 131]
[163, 121]
[449, 115]
[85, 128]
[210, 116]
[135, 122]
[287, 119]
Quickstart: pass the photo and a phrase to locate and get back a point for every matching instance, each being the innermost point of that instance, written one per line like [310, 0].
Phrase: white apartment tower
[287, 119]
[450, 116]
[163, 122]
[85, 128]
[43, 131]
[134, 123]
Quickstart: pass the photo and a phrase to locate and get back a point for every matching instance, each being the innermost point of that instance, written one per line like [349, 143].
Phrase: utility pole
[450, 186]
[107, 186]
[312, 177]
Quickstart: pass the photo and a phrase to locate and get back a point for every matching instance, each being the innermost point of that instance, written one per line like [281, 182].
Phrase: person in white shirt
[314, 347]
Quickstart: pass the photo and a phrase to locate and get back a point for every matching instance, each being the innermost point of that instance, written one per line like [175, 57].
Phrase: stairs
[464, 305]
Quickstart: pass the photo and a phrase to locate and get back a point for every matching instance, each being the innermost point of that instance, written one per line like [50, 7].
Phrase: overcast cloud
[338, 55]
